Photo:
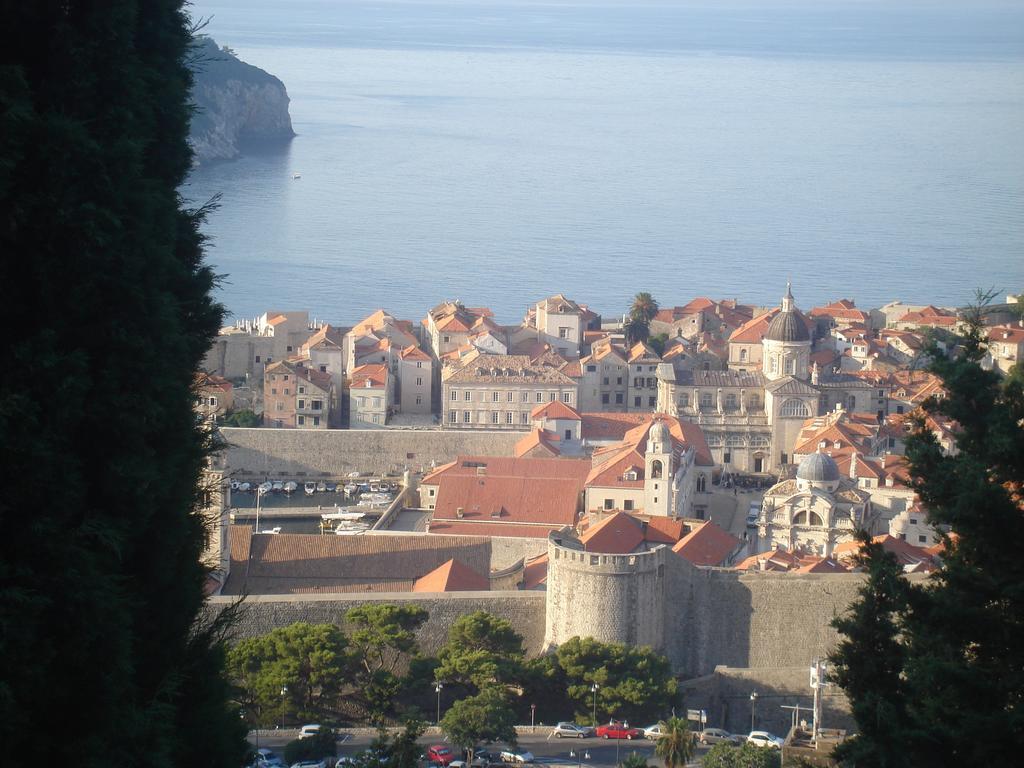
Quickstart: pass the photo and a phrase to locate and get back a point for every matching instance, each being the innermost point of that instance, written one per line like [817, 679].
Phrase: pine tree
[108, 313]
[957, 644]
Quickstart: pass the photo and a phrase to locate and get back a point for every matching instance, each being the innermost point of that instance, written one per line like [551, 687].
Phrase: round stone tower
[786, 347]
[612, 598]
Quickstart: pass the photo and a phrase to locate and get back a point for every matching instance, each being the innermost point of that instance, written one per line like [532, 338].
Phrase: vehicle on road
[439, 753]
[510, 755]
[752, 514]
[309, 730]
[653, 732]
[764, 739]
[311, 764]
[719, 735]
[572, 731]
[266, 758]
[617, 730]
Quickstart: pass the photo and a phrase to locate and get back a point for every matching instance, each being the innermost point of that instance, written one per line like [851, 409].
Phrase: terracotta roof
[776, 560]
[276, 320]
[472, 528]
[535, 572]
[642, 352]
[538, 443]
[665, 530]
[510, 369]
[822, 565]
[843, 309]
[1011, 333]
[560, 304]
[617, 534]
[555, 410]
[708, 544]
[297, 563]
[326, 336]
[318, 378]
[609, 426]
[452, 576]
[412, 352]
[210, 381]
[572, 369]
[908, 555]
[370, 376]
[509, 491]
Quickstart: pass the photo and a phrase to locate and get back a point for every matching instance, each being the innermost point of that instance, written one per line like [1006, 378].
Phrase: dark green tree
[675, 745]
[242, 418]
[482, 650]
[636, 330]
[634, 684]
[291, 673]
[745, 756]
[102, 587]
[481, 719]
[644, 307]
[634, 760]
[383, 637]
[962, 631]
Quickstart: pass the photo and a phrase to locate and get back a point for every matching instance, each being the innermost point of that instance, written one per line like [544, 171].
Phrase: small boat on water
[245, 487]
[331, 487]
[296, 175]
[375, 503]
[275, 530]
[321, 486]
[374, 487]
[339, 516]
[265, 488]
[350, 489]
[309, 488]
[278, 486]
[290, 487]
[234, 485]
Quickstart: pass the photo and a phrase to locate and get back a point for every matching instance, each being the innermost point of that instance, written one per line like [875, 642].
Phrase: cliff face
[236, 104]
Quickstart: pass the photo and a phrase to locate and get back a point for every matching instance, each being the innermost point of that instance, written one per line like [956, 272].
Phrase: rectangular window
[609, 503]
[469, 396]
[510, 417]
[540, 397]
[567, 397]
[618, 398]
[302, 390]
[432, 491]
[454, 395]
[922, 539]
[494, 417]
[376, 418]
[302, 420]
[323, 369]
[606, 381]
[524, 418]
[446, 339]
[627, 505]
[466, 417]
[618, 381]
[552, 396]
[316, 421]
[419, 381]
[257, 358]
[636, 402]
[286, 377]
[289, 348]
[286, 390]
[726, 457]
[280, 406]
[273, 390]
[419, 399]
[453, 416]
[317, 405]
[495, 396]
[510, 396]
[604, 399]
[524, 396]
[302, 404]
[652, 400]
[591, 368]
[563, 333]
[419, 363]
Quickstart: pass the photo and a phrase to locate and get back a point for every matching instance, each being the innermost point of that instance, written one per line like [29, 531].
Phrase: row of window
[488, 417]
[304, 420]
[707, 400]
[640, 382]
[496, 396]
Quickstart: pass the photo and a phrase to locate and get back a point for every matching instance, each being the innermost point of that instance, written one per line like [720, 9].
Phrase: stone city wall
[262, 613]
[334, 453]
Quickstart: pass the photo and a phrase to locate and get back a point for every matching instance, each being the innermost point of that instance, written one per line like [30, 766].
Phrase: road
[548, 750]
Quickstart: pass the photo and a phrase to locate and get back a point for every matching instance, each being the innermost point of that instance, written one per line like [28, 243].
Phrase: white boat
[245, 487]
[265, 488]
[291, 486]
[296, 175]
[375, 497]
[374, 487]
[375, 504]
[278, 486]
[275, 530]
[234, 485]
[351, 488]
[322, 486]
[309, 488]
[343, 515]
[348, 531]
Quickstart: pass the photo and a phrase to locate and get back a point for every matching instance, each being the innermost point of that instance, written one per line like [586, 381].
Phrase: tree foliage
[956, 643]
[241, 418]
[481, 719]
[315, 747]
[634, 760]
[745, 756]
[292, 673]
[633, 683]
[482, 650]
[102, 586]
[675, 745]
[641, 313]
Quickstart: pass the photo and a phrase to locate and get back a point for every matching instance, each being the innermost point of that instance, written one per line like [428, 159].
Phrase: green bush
[322, 744]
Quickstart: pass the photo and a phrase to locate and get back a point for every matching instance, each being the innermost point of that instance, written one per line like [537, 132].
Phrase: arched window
[754, 403]
[734, 441]
[730, 402]
[701, 484]
[851, 403]
[684, 400]
[655, 469]
[758, 441]
[705, 400]
[743, 355]
[794, 408]
[774, 366]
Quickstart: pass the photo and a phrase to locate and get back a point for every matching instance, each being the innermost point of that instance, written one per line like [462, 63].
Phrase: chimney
[460, 513]
[853, 465]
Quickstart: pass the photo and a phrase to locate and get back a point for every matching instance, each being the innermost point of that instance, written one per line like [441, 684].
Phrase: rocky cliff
[237, 105]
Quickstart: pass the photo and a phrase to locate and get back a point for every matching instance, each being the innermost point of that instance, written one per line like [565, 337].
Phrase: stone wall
[336, 452]
[525, 610]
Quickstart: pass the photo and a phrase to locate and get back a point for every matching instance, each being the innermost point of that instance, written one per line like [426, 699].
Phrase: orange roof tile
[707, 544]
[452, 576]
[473, 528]
[369, 376]
[538, 442]
[535, 572]
[617, 534]
[906, 554]
[412, 352]
[555, 409]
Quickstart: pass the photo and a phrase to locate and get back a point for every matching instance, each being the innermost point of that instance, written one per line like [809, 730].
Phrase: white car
[509, 755]
[265, 758]
[308, 730]
[764, 739]
[653, 732]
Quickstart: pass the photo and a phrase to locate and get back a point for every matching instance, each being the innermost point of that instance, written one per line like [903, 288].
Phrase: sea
[500, 152]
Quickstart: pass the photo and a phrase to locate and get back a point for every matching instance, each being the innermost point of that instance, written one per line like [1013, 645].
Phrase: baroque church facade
[751, 418]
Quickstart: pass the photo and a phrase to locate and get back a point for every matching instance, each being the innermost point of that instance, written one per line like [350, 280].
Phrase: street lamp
[438, 685]
[753, 706]
[284, 693]
[580, 757]
[594, 688]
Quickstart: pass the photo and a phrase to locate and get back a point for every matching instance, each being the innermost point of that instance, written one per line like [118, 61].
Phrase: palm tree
[636, 329]
[644, 307]
[675, 745]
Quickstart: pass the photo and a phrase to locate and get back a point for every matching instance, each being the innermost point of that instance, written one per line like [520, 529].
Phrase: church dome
[818, 467]
[659, 433]
[787, 326]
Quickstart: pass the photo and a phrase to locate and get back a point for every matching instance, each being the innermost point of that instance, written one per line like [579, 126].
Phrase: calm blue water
[500, 152]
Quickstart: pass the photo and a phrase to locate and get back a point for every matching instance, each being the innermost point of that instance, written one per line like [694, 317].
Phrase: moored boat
[277, 486]
[309, 488]
[291, 486]
[245, 487]
[265, 488]
[321, 487]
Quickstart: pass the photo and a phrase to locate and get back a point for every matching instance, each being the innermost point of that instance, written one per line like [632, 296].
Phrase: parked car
[266, 758]
[311, 764]
[440, 753]
[764, 739]
[308, 730]
[617, 730]
[510, 755]
[717, 736]
[572, 731]
[752, 514]
[653, 732]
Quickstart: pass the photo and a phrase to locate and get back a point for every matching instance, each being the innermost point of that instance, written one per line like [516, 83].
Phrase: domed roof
[659, 432]
[789, 324]
[819, 467]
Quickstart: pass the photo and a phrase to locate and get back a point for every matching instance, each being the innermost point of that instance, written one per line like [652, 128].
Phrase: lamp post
[284, 694]
[533, 718]
[753, 707]
[580, 757]
[618, 742]
[593, 689]
[438, 685]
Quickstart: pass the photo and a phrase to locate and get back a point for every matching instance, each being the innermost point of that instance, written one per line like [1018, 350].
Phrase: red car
[616, 730]
[439, 753]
